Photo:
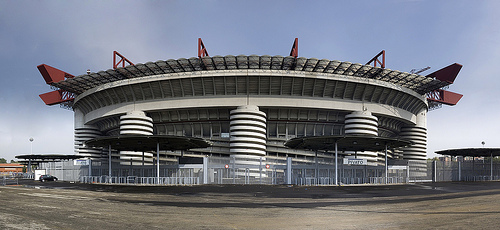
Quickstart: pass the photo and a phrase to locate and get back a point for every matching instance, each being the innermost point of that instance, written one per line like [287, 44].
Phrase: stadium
[248, 108]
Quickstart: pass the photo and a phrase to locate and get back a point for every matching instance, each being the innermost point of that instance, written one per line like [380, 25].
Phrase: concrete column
[158, 162]
[434, 170]
[288, 170]
[336, 164]
[459, 171]
[205, 170]
[491, 166]
[109, 161]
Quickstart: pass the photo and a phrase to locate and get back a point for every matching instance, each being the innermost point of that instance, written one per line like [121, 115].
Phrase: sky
[78, 35]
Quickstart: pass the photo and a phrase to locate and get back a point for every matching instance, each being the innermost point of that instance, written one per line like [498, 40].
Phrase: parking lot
[62, 205]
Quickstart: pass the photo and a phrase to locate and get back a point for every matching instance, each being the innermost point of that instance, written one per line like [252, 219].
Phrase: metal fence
[8, 180]
[271, 171]
[478, 170]
[262, 170]
[141, 180]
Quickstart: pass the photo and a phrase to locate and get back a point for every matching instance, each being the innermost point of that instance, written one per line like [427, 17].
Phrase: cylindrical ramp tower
[85, 133]
[362, 123]
[417, 151]
[248, 142]
[416, 154]
[248, 131]
[136, 123]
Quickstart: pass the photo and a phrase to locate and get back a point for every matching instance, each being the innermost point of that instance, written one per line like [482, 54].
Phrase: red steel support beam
[295, 48]
[53, 75]
[447, 74]
[57, 97]
[202, 51]
[375, 60]
[122, 60]
[444, 97]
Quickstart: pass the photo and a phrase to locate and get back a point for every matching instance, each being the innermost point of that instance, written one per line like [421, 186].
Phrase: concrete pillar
[288, 170]
[205, 170]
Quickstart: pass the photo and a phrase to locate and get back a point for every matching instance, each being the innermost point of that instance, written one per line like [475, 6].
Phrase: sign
[267, 166]
[226, 166]
[81, 162]
[397, 167]
[350, 161]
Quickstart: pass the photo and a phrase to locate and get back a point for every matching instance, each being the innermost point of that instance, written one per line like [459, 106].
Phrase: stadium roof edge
[418, 83]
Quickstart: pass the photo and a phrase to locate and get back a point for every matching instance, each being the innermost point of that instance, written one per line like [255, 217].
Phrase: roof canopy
[471, 152]
[346, 143]
[418, 83]
[39, 158]
[148, 143]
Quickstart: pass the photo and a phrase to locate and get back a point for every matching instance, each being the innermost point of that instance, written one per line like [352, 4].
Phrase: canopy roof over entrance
[40, 158]
[148, 143]
[47, 157]
[471, 152]
[346, 143]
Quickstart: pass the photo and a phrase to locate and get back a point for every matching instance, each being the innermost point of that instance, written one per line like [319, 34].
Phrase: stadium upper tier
[418, 83]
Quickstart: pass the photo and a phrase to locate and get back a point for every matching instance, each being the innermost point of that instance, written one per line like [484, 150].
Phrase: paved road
[60, 205]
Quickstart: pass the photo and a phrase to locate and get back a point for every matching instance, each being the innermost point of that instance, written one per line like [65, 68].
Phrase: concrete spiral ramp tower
[362, 123]
[416, 154]
[136, 123]
[248, 131]
[85, 133]
[248, 139]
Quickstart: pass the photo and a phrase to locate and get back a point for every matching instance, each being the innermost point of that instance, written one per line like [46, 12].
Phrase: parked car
[44, 178]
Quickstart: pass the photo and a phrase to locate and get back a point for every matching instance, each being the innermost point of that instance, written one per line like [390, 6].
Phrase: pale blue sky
[78, 35]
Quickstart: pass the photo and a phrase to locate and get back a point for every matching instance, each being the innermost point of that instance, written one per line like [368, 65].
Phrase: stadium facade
[249, 106]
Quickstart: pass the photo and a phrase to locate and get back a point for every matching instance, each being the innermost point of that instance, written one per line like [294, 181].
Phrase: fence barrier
[141, 180]
[8, 180]
[230, 170]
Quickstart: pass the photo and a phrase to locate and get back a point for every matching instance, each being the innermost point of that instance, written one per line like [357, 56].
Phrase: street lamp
[31, 144]
[31, 152]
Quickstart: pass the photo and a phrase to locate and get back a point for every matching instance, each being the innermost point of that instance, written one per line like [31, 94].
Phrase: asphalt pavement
[64, 205]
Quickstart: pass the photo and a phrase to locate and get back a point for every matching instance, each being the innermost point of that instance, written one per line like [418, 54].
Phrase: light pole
[31, 152]
[31, 145]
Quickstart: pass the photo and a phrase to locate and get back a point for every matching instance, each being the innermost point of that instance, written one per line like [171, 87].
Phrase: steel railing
[141, 180]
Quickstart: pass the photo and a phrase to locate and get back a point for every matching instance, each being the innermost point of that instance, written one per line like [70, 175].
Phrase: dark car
[44, 178]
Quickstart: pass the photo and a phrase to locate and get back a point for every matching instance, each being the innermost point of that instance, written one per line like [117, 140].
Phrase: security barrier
[229, 170]
[8, 180]
[141, 180]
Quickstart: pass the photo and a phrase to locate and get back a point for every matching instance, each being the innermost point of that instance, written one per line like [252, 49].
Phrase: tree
[2, 160]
